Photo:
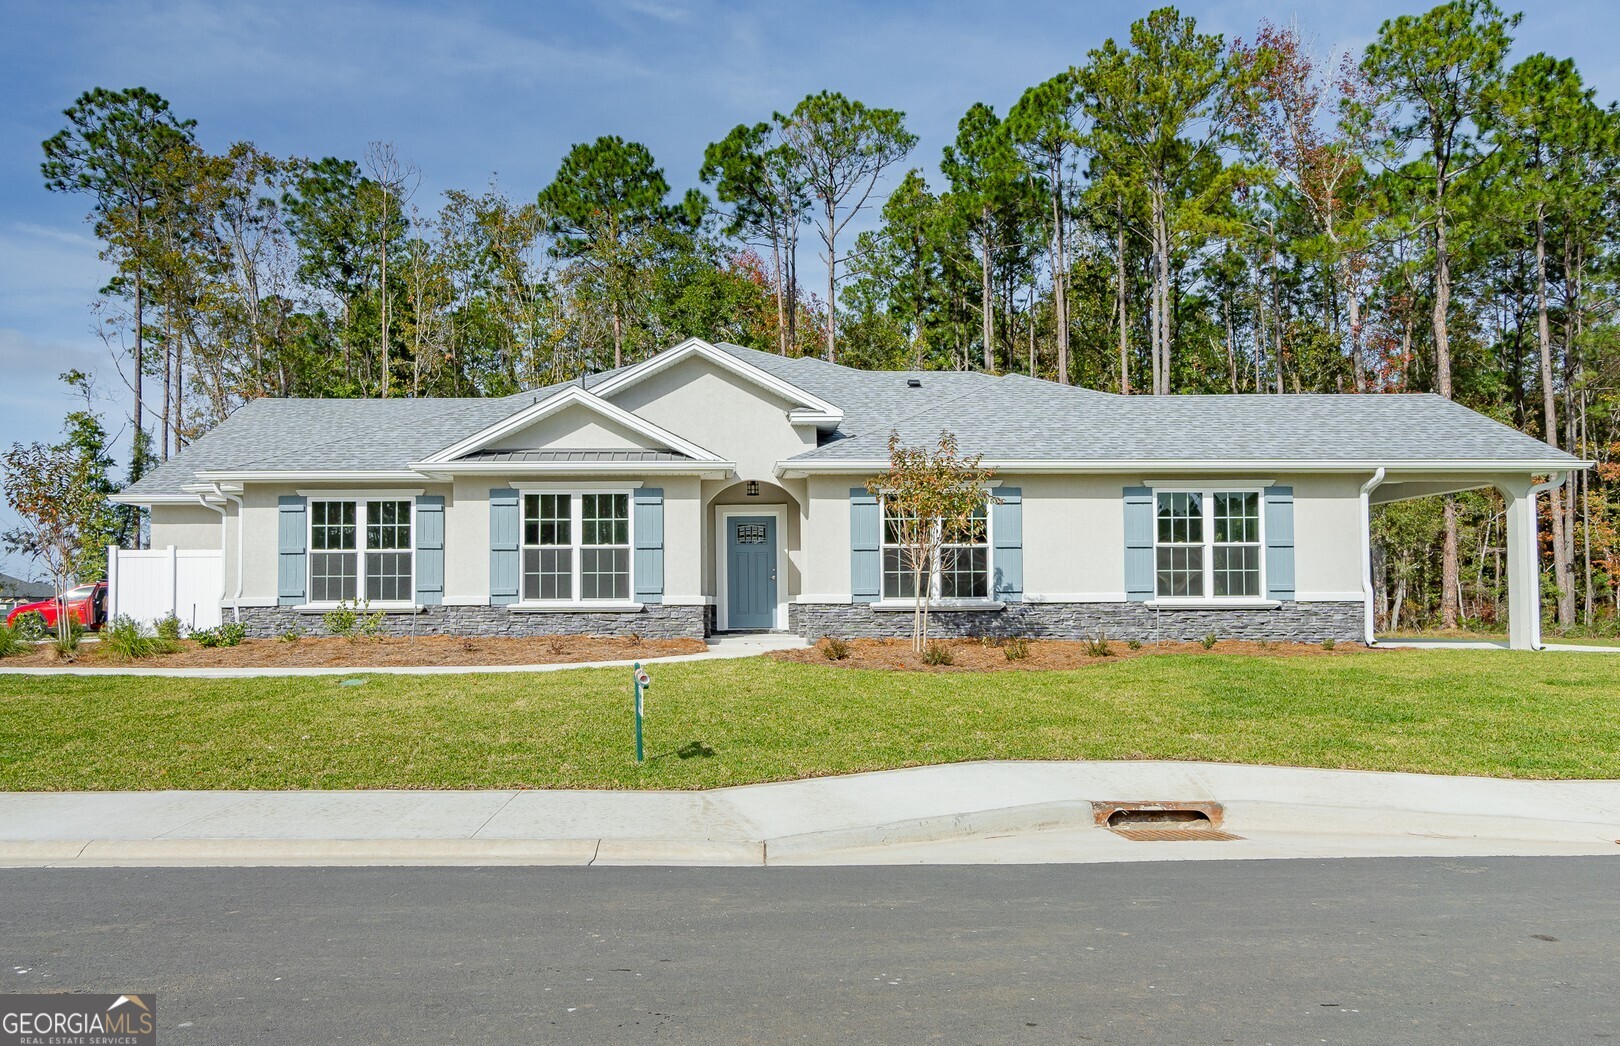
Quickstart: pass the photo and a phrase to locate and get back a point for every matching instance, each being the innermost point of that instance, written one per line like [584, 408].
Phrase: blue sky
[477, 90]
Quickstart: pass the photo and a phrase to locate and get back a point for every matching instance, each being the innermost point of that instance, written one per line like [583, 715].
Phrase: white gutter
[1366, 555]
[797, 469]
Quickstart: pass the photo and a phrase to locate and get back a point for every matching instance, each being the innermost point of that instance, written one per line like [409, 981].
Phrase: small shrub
[1099, 647]
[1328, 643]
[168, 629]
[634, 639]
[30, 627]
[834, 649]
[372, 625]
[291, 635]
[1208, 641]
[341, 620]
[1016, 648]
[556, 646]
[938, 654]
[1134, 644]
[125, 640]
[224, 635]
[10, 642]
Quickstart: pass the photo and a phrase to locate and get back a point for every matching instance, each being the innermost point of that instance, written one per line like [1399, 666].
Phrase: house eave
[796, 469]
[706, 469]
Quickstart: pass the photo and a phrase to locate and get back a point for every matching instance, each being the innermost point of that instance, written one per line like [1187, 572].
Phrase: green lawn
[729, 722]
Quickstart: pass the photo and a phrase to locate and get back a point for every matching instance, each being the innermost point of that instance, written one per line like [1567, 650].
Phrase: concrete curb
[1036, 817]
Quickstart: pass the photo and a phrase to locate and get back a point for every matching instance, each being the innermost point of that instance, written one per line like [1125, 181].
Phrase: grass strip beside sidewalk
[719, 723]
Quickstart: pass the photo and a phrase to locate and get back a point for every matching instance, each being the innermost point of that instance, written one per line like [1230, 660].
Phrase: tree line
[1175, 213]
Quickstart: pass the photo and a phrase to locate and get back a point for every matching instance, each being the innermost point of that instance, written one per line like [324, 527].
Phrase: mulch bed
[381, 653]
[973, 655]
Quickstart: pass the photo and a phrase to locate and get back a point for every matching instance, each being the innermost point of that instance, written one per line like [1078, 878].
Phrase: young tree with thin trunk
[842, 148]
[1444, 70]
[930, 497]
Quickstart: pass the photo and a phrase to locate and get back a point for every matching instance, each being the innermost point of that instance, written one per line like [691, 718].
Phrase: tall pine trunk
[1450, 605]
[1120, 304]
[1549, 406]
[987, 298]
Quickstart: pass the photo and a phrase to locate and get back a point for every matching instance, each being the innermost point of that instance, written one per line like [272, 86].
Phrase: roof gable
[588, 407]
[809, 409]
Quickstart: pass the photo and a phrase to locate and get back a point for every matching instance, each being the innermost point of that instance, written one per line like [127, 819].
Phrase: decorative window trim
[359, 500]
[935, 600]
[1207, 493]
[576, 493]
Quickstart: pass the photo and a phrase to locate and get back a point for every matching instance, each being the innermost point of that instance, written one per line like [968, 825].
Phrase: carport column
[1523, 566]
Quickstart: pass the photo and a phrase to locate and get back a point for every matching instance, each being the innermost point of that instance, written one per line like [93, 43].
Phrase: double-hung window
[361, 549]
[576, 547]
[961, 568]
[1207, 544]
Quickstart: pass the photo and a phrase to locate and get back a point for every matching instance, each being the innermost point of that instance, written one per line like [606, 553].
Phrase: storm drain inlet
[1152, 822]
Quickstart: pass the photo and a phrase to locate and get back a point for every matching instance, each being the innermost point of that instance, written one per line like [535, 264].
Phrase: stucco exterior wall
[1074, 536]
[185, 526]
[721, 413]
[573, 428]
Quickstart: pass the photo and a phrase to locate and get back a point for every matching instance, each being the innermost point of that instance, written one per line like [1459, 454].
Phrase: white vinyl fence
[151, 584]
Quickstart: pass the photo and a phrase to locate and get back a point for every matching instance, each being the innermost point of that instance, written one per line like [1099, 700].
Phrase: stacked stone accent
[653, 621]
[1290, 622]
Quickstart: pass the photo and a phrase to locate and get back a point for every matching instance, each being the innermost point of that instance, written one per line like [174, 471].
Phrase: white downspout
[203, 499]
[1366, 555]
[241, 525]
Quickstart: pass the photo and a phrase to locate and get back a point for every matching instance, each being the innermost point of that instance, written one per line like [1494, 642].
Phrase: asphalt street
[1465, 950]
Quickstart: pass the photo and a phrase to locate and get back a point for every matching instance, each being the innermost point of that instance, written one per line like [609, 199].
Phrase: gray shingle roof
[17, 588]
[1019, 418]
[1002, 418]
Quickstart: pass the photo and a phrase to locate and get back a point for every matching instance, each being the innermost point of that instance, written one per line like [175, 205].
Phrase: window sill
[392, 608]
[575, 608]
[1213, 604]
[891, 606]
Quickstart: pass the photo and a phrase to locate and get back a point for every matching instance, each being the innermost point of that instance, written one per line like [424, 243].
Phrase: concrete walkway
[745, 645]
[1492, 644]
[982, 812]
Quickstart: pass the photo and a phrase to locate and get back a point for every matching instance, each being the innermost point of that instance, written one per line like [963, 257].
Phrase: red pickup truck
[88, 603]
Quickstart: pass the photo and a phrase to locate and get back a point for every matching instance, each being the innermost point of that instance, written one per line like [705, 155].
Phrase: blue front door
[750, 572]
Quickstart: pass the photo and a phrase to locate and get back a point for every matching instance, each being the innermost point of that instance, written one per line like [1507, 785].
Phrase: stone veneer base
[1290, 622]
[652, 621]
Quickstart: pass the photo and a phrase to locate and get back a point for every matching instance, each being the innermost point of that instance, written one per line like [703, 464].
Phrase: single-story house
[14, 592]
[713, 488]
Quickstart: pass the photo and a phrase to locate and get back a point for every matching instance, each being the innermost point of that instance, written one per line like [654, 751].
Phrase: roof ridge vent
[913, 383]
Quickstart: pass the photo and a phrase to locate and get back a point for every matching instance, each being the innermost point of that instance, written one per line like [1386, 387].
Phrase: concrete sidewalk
[720, 647]
[960, 813]
[1559, 647]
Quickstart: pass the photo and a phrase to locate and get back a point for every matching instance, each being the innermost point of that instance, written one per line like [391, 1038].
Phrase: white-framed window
[961, 569]
[576, 547]
[361, 549]
[1207, 544]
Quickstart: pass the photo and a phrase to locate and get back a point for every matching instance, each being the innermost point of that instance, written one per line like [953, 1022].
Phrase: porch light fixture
[753, 488]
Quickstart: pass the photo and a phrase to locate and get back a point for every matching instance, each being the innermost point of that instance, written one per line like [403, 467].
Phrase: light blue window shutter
[292, 534]
[648, 569]
[505, 527]
[1279, 542]
[430, 550]
[1138, 544]
[1007, 530]
[865, 548]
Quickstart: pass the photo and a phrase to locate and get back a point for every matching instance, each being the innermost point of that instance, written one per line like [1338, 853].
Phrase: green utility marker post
[642, 682]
